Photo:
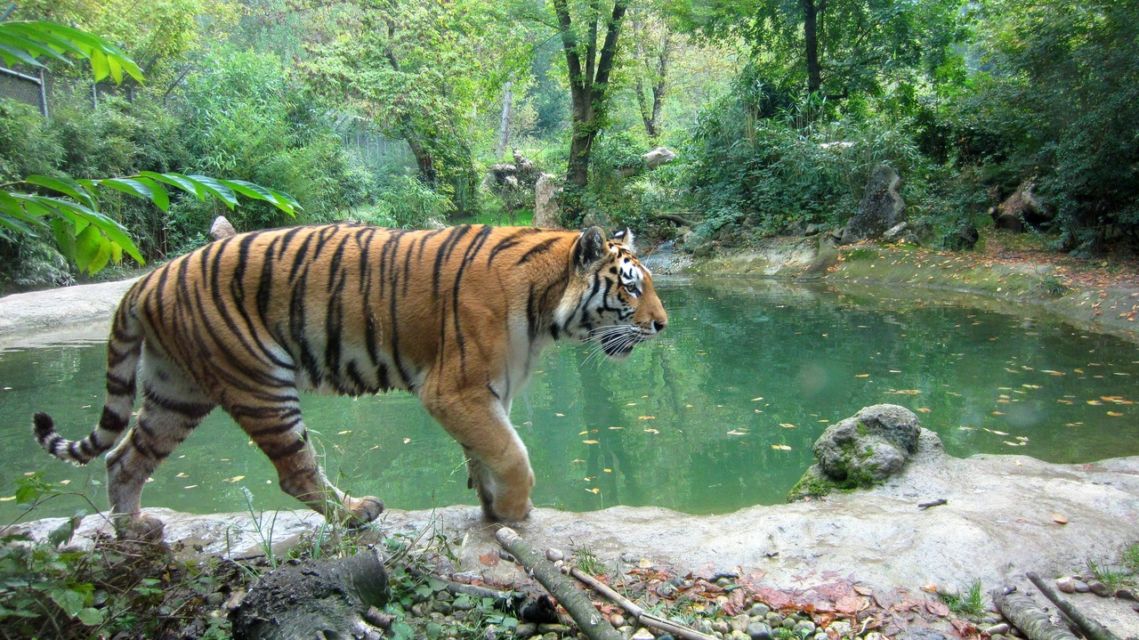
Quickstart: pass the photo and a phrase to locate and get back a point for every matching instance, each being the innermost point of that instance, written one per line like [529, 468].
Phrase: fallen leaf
[1059, 518]
[737, 432]
[787, 425]
[651, 430]
[937, 608]
[594, 490]
[489, 559]
[235, 479]
[862, 375]
[646, 417]
[757, 399]
[781, 447]
[589, 441]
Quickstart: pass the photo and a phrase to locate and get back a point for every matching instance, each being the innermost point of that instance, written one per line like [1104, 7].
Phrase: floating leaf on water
[905, 392]
[589, 442]
[1030, 386]
[190, 486]
[607, 470]
[7, 498]
[862, 375]
[781, 447]
[344, 432]
[594, 490]
[559, 414]
[651, 430]
[616, 428]
[757, 399]
[997, 413]
[1114, 414]
[1094, 403]
[1116, 399]
[737, 432]
[630, 404]
[1052, 372]
[407, 440]
[924, 409]
[583, 432]
[235, 479]
[646, 417]
[787, 425]
[182, 474]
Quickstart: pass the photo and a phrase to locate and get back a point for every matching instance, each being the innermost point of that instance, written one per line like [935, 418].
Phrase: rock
[997, 629]
[1081, 586]
[641, 634]
[553, 555]
[804, 628]
[721, 626]
[759, 610]
[881, 208]
[841, 628]
[894, 233]
[740, 622]
[1126, 594]
[221, 229]
[1022, 209]
[922, 633]
[617, 620]
[964, 238]
[868, 447]
[1099, 588]
[546, 210]
[1067, 584]
[759, 631]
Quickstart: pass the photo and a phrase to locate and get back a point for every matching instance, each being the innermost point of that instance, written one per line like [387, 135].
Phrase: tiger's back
[457, 316]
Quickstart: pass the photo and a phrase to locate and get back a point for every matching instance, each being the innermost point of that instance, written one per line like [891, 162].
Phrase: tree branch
[609, 50]
[569, 43]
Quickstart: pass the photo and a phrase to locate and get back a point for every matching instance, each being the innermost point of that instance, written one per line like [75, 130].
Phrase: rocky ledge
[1001, 516]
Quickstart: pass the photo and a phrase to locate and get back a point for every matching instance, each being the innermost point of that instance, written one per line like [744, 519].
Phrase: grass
[588, 562]
[1131, 558]
[1111, 578]
[970, 602]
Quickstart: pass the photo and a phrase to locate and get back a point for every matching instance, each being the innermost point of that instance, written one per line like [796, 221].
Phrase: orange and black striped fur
[456, 316]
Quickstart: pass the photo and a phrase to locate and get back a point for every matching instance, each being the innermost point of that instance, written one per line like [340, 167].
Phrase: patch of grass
[861, 253]
[1131, 558]
[588, 562]
[1111, 578]
[970, 602]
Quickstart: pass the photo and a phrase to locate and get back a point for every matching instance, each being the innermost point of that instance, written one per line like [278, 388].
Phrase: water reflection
[718, 413]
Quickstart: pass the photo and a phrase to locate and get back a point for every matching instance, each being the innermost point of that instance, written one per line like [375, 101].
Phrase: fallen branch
[932, 503]
[581, 609]
[1090, 628]
[675, 219]
[1023, 613]
[539, 610]
[643, 617]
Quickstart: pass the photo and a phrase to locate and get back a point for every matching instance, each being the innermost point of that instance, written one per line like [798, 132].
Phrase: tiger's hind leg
[279, 430]
[172, 406]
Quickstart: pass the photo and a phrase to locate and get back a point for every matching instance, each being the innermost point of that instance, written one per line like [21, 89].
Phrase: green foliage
[970, 603]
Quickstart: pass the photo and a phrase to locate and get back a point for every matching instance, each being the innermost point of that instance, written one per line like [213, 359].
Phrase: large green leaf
[30, 41]
[66, 186]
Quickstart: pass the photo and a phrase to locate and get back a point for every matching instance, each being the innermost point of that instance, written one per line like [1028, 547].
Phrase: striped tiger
[456, 316]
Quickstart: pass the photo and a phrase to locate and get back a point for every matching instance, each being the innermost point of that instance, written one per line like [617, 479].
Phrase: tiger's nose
[659, 325]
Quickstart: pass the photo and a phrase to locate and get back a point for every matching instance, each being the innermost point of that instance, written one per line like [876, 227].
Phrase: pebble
[1066, 584]
[759, 631]
[1099, 588]
[617, 620]
[641, 634]
[443, 607]
[805, 628]
[774, 619]
[841, 627]
[759, 610]
[720, 626]
[788, 623]
[1081, 586]
[554, 555]
[739, 635]
[740, 622]
[1126, 594]
[997, 629]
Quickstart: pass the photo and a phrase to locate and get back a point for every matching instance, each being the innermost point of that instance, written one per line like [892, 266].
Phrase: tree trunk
[313, 600]
[811, 13]
[588, 88]
[504, 121]
[423, 160]
[1092, 629]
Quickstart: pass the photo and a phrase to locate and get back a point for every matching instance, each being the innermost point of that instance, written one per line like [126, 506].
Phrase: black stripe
[192, 410]
[275, 412]
[299, 256]
[537, 250]
[509, 241]
[443, 253]
[265, 282]
[116, 386]
[111, 421]
[468, 256]
[297, 330]
[276, 429]
[334, 327]
[288, 450]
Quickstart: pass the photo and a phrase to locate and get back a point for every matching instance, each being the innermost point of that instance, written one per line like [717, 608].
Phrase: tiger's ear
[626, 237]
[590, 247]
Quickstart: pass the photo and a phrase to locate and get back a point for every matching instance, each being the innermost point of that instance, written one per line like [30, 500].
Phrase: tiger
[456, 316]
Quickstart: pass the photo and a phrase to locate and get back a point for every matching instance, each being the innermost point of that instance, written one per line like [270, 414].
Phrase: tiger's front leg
[498, 463]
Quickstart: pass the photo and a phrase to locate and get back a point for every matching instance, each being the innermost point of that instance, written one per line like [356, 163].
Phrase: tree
[69, 210]
[654, 43]
[589, 68]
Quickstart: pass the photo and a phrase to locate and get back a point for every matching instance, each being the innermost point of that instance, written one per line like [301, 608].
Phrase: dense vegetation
[391, 111]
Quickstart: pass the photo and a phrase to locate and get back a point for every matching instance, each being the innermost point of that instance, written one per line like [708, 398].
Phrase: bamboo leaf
[217, 189]
[66, 186]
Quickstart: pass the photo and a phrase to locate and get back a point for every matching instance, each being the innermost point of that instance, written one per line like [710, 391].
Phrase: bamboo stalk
[1092, 629]
[580, 607]
[640, 615]
[1023, 613]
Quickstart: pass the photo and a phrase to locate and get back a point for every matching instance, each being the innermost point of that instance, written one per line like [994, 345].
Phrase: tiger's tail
[123, 350]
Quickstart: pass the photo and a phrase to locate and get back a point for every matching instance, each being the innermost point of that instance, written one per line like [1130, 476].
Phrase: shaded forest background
[393, 111]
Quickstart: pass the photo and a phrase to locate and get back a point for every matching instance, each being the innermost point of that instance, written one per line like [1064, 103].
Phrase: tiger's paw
[363, 510]
[139, 528]
[503, 511]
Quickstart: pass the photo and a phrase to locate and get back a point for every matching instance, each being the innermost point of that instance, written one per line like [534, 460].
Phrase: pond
[717, 414]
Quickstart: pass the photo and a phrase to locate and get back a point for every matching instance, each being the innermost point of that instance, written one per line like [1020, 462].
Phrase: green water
[717, 414]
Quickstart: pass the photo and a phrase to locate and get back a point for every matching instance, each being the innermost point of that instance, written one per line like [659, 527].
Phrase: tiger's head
[610, 300]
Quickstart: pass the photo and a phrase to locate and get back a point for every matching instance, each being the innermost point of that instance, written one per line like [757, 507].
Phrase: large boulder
[546, 210]
[221, 229]
[881, 208]
[1022, 209]
[861, 451]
